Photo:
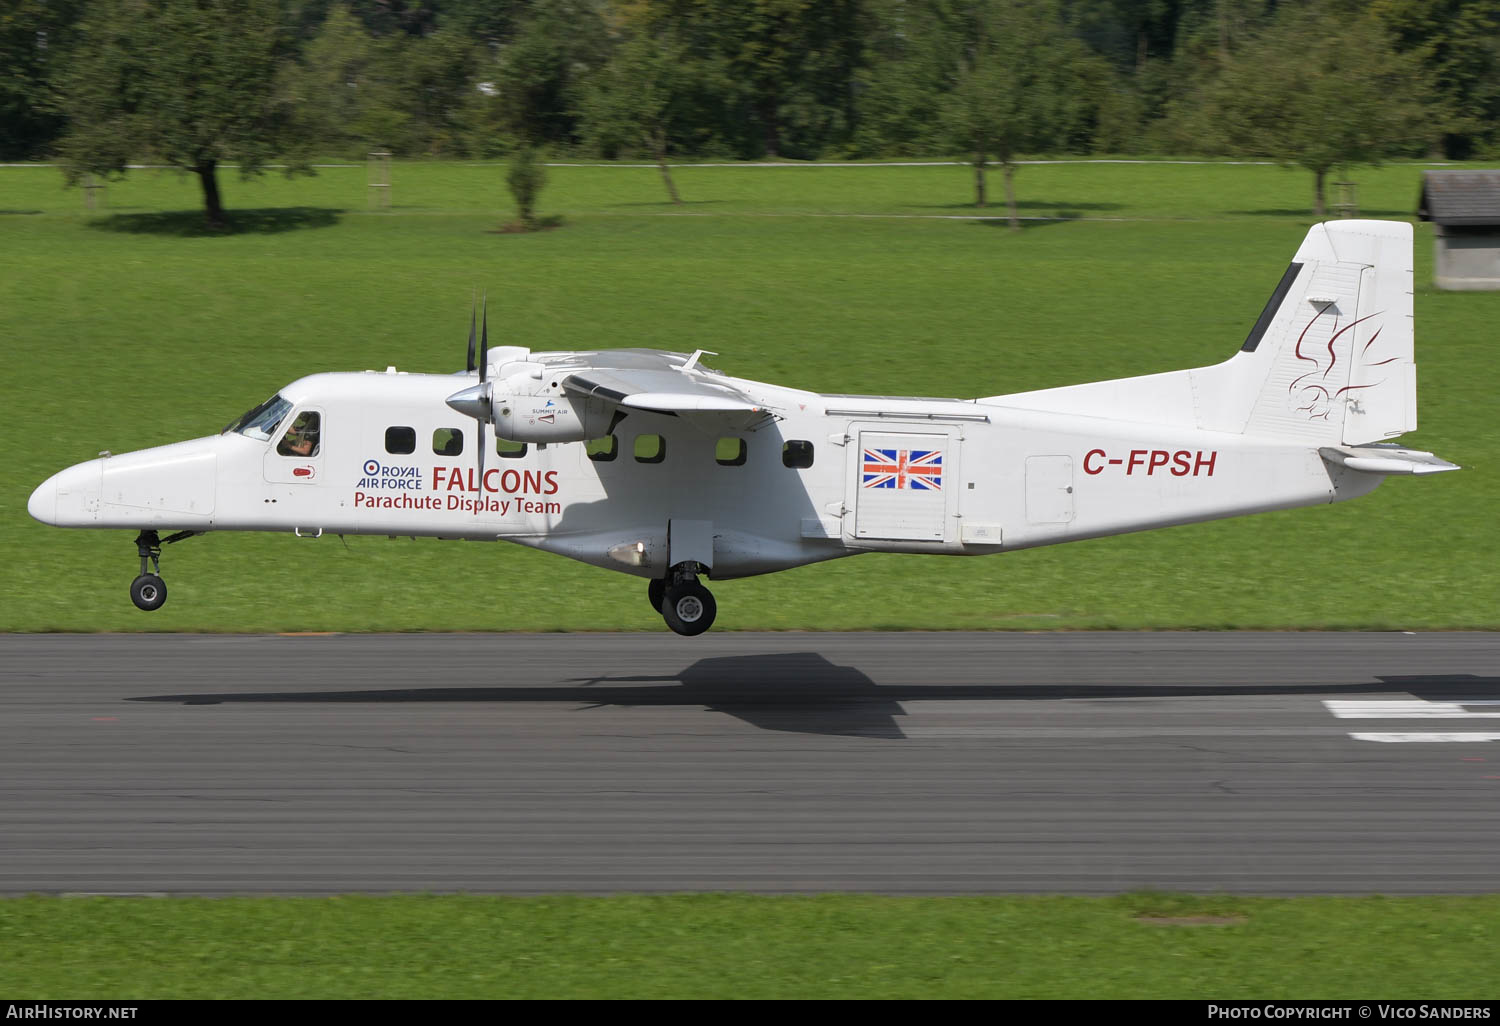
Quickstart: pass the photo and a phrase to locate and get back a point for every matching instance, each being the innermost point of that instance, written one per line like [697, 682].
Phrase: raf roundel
[372, 468]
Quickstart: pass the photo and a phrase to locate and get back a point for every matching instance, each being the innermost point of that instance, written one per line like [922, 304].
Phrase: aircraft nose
[43, 502]
[69, 498]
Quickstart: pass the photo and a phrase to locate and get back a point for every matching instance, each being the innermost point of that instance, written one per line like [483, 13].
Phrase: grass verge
[738, 946]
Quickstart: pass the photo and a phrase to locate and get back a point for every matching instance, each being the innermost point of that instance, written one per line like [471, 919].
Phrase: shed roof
[1460, 197]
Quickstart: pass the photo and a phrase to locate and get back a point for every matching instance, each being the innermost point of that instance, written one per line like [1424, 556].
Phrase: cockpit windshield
[261, 422]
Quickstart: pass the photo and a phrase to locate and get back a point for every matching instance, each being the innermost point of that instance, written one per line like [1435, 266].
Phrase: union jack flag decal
[920, 470]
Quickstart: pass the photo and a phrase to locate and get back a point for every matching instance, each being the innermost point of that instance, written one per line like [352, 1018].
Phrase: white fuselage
[1004, 477]
[649, 463]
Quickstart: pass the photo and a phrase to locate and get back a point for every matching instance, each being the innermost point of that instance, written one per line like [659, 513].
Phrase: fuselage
[648, 463]
[815, 477]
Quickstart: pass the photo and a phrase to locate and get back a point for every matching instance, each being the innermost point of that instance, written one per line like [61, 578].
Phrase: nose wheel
[148, 591]
[687, 606]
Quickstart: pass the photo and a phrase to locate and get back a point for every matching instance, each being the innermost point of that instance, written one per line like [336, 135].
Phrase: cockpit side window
[261, 423]
[302, 438]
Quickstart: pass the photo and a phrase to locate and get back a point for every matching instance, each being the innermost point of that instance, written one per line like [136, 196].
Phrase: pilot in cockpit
[301, 439]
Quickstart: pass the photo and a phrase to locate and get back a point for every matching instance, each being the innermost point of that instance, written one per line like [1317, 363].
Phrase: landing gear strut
[149, 591]
[687, 606]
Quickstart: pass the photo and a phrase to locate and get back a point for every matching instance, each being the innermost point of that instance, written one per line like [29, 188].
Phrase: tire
[656, 591]
[689, 609]
[148, 592]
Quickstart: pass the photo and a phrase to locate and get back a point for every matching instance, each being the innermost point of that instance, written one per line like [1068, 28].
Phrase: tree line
[1322, 84]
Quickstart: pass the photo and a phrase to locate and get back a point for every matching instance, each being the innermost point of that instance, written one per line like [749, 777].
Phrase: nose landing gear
[149, 591]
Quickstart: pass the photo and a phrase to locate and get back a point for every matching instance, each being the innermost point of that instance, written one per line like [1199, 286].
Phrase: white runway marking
[1424, 737]
[1416, 709]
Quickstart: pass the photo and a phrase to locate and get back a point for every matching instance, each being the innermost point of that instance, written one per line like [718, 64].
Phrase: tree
[635, 98]
[1457, 43]
[1013, 87]
[913, 52]
[335, 88]
[408, 94]
[1322, 88]
[525, 179]
[541, 71]
[787, 86]
[190, 83]
[33, 33]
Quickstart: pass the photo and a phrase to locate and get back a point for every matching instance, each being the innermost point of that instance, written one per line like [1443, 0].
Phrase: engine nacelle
[550, 418]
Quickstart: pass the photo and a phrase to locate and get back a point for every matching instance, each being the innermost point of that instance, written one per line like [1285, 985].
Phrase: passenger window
[510, 450]
[650, 448]
[400, 440]
[448, 442]
[602, 450]
[797, 455]
[730, 452]
[301, 439]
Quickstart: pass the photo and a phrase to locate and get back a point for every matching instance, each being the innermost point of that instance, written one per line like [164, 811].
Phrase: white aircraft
[650, 463]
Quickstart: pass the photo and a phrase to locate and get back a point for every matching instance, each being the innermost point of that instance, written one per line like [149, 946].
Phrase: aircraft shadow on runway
[802, 692]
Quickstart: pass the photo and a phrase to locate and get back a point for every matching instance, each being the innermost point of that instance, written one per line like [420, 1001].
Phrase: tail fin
[1330, 359]
[1328, 362]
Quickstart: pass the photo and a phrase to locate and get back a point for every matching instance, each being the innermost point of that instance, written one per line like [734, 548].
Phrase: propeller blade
[484, 342]
[486, 391]
[481, 459]
[471, 339]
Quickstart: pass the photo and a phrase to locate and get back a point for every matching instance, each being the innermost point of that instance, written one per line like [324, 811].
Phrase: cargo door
[903, 485]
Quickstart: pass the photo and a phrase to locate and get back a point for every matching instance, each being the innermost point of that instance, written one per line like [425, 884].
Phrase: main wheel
[688, 608]
[656, 591]
[148, 592]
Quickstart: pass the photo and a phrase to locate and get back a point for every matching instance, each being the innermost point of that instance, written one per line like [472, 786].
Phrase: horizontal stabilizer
[1385, 459]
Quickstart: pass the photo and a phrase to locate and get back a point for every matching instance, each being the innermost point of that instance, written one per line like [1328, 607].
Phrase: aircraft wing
[660, 391]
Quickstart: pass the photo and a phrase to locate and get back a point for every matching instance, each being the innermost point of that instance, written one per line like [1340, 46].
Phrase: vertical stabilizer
[1333, 350]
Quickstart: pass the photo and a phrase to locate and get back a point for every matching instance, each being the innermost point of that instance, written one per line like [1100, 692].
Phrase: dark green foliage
[539, 75]
[1457, 44]
[649, 87]
[525, 176]
[1017, 70]
[189, 83]
[1322, 88]
[33, 33]
[801, 79]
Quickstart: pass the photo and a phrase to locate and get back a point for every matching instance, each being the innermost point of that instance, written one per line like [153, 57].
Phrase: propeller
[471, 338]
[477, 401]
[486, 390]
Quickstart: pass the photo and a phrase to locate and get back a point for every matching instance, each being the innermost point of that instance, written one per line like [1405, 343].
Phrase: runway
[893, 763]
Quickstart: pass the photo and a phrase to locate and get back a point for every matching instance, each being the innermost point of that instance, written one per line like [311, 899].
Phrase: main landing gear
[687, 606]
[149, 591]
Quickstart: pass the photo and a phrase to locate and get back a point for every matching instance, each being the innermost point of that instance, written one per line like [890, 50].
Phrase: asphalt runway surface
[895, 763]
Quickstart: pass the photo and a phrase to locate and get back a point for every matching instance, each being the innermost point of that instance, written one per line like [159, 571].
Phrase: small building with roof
[1464, 208]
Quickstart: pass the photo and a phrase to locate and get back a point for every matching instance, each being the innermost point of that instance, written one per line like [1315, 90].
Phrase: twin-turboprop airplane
[650, 463]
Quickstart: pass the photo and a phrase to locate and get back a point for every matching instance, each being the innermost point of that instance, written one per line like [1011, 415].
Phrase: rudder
[1333, 351]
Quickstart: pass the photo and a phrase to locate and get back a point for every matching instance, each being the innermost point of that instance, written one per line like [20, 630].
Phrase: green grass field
[729, 946]
[136, 328]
